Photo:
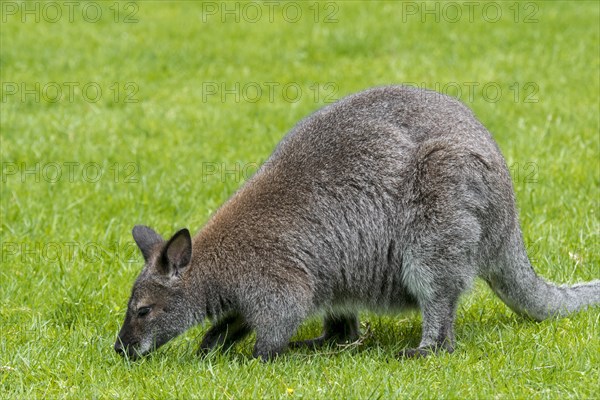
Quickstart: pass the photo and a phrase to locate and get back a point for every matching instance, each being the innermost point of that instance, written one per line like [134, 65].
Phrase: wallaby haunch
[389, 199]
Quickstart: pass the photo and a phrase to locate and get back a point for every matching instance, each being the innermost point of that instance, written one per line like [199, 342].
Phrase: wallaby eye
[143, 311]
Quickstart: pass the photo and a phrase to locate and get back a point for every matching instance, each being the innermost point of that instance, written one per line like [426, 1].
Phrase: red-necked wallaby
[389, 199]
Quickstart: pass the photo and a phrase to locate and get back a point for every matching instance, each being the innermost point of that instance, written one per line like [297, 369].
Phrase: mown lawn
[115, 114]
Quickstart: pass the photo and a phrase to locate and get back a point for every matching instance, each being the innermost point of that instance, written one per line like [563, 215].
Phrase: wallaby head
[158, 309]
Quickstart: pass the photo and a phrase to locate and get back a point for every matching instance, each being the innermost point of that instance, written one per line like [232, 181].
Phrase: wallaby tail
[516, 283]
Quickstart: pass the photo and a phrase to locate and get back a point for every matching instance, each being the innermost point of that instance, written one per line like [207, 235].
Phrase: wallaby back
[391, 198]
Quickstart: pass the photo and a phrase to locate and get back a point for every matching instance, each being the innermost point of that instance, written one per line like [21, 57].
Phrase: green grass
[68, 259]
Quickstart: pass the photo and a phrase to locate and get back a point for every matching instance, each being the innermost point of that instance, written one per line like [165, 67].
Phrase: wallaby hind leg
[438, 327]
[272, 340]
[337, 328]
[437, 295]
[275, 322]
[224, 333]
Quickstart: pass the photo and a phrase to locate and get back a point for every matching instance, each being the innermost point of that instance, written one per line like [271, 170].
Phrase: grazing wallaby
[391, 198]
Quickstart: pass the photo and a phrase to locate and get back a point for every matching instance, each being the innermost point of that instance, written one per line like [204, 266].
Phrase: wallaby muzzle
[126, 350]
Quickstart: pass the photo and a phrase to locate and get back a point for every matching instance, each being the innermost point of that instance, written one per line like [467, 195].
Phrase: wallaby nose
[119, 348]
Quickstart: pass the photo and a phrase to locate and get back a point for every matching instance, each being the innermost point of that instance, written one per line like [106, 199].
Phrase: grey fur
[389, 199]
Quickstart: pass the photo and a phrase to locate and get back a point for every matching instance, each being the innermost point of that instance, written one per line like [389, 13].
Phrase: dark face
[159, 308]
[156, 314]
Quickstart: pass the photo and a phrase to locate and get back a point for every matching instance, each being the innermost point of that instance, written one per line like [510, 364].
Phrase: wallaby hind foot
[438, 324]
[272, 343]
[421, 352]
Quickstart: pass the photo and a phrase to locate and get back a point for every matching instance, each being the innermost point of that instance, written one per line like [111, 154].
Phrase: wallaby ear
[146, 238]
[178, 252]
